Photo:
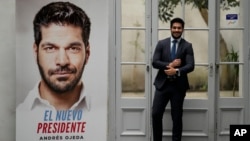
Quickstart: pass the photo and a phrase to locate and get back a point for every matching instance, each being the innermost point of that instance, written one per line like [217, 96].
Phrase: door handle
[147, 68]
[211, 69]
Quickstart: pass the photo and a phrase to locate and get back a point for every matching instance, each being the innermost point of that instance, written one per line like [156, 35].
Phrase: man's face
[61, 56]
[176, 30]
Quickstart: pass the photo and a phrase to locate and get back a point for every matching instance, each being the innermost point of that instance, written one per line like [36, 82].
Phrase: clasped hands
[171, 68]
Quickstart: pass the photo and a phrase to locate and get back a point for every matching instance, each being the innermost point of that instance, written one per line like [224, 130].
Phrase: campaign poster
[61, 70]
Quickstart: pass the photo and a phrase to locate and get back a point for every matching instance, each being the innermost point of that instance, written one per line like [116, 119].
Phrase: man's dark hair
[61, 13]
[177, 20]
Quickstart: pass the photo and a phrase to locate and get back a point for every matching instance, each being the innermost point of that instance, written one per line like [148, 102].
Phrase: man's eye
[177, 28]
[74, 49]
[50, 49]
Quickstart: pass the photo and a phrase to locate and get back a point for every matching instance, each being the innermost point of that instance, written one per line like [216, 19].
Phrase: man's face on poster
[61, 56]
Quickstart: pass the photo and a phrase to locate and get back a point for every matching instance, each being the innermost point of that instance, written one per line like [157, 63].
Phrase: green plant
[233, 56]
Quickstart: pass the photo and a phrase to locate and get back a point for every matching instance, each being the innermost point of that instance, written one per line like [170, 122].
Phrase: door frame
[212, 76]
[111, 131]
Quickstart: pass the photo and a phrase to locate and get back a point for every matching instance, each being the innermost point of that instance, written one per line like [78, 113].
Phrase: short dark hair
[61, 13]
[177, 20]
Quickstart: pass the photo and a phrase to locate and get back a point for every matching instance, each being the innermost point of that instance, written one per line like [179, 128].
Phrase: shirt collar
[34, 99]
[178, 40]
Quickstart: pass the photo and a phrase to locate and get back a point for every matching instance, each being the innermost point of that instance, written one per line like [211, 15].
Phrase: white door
[219, 84]
[232, 67]
[132, 70]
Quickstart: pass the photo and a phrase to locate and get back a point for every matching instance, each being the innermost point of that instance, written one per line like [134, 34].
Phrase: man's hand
[170, 70]
[175, 63]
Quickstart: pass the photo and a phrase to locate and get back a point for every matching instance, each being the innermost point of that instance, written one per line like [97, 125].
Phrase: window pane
[229, 83]
[167, 10]
[133, 80]
[133, 46]
[198, 82]
[199, 77]
[231, 45]
[231, 14]
[133, 13]
[199, 40]
[230, 52]
[164, 34]
[201, 15]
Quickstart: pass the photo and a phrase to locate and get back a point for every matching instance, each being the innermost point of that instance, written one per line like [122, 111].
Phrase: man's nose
[62, 58]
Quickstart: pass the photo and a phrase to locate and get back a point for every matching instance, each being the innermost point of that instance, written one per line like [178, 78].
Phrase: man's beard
[175, 36]
[57, 88]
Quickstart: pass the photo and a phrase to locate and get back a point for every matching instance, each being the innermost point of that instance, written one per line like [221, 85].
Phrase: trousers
[176, 96]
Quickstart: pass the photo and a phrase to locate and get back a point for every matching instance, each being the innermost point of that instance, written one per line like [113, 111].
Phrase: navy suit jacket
[162, 58]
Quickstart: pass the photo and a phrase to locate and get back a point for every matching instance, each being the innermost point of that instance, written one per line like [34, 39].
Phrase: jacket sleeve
[158, 61]
[189, 60]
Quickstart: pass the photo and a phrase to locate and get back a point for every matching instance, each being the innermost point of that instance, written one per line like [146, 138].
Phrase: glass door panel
[133, 52]
[199, 77]
[200, 13]
[133, 80]
[133, 45]
[130, 18]
[231, 49]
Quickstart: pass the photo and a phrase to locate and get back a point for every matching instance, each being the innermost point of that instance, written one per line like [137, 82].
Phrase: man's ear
[87, 53]
[35, 52]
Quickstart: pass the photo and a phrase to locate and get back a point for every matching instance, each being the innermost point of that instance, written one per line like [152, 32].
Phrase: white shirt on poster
[37, 120]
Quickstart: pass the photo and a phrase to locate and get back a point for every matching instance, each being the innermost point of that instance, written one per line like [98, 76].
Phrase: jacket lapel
[168, 49]
[179, 49]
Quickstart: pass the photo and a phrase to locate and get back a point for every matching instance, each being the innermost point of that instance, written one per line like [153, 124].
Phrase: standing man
[174, 59]
[57, 108]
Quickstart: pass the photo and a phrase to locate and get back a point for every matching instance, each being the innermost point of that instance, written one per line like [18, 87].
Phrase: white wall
[7, 70]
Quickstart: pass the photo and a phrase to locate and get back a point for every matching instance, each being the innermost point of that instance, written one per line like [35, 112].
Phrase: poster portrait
[59, 45]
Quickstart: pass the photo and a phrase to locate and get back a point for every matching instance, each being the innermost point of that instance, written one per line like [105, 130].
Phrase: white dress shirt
[37, 120]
